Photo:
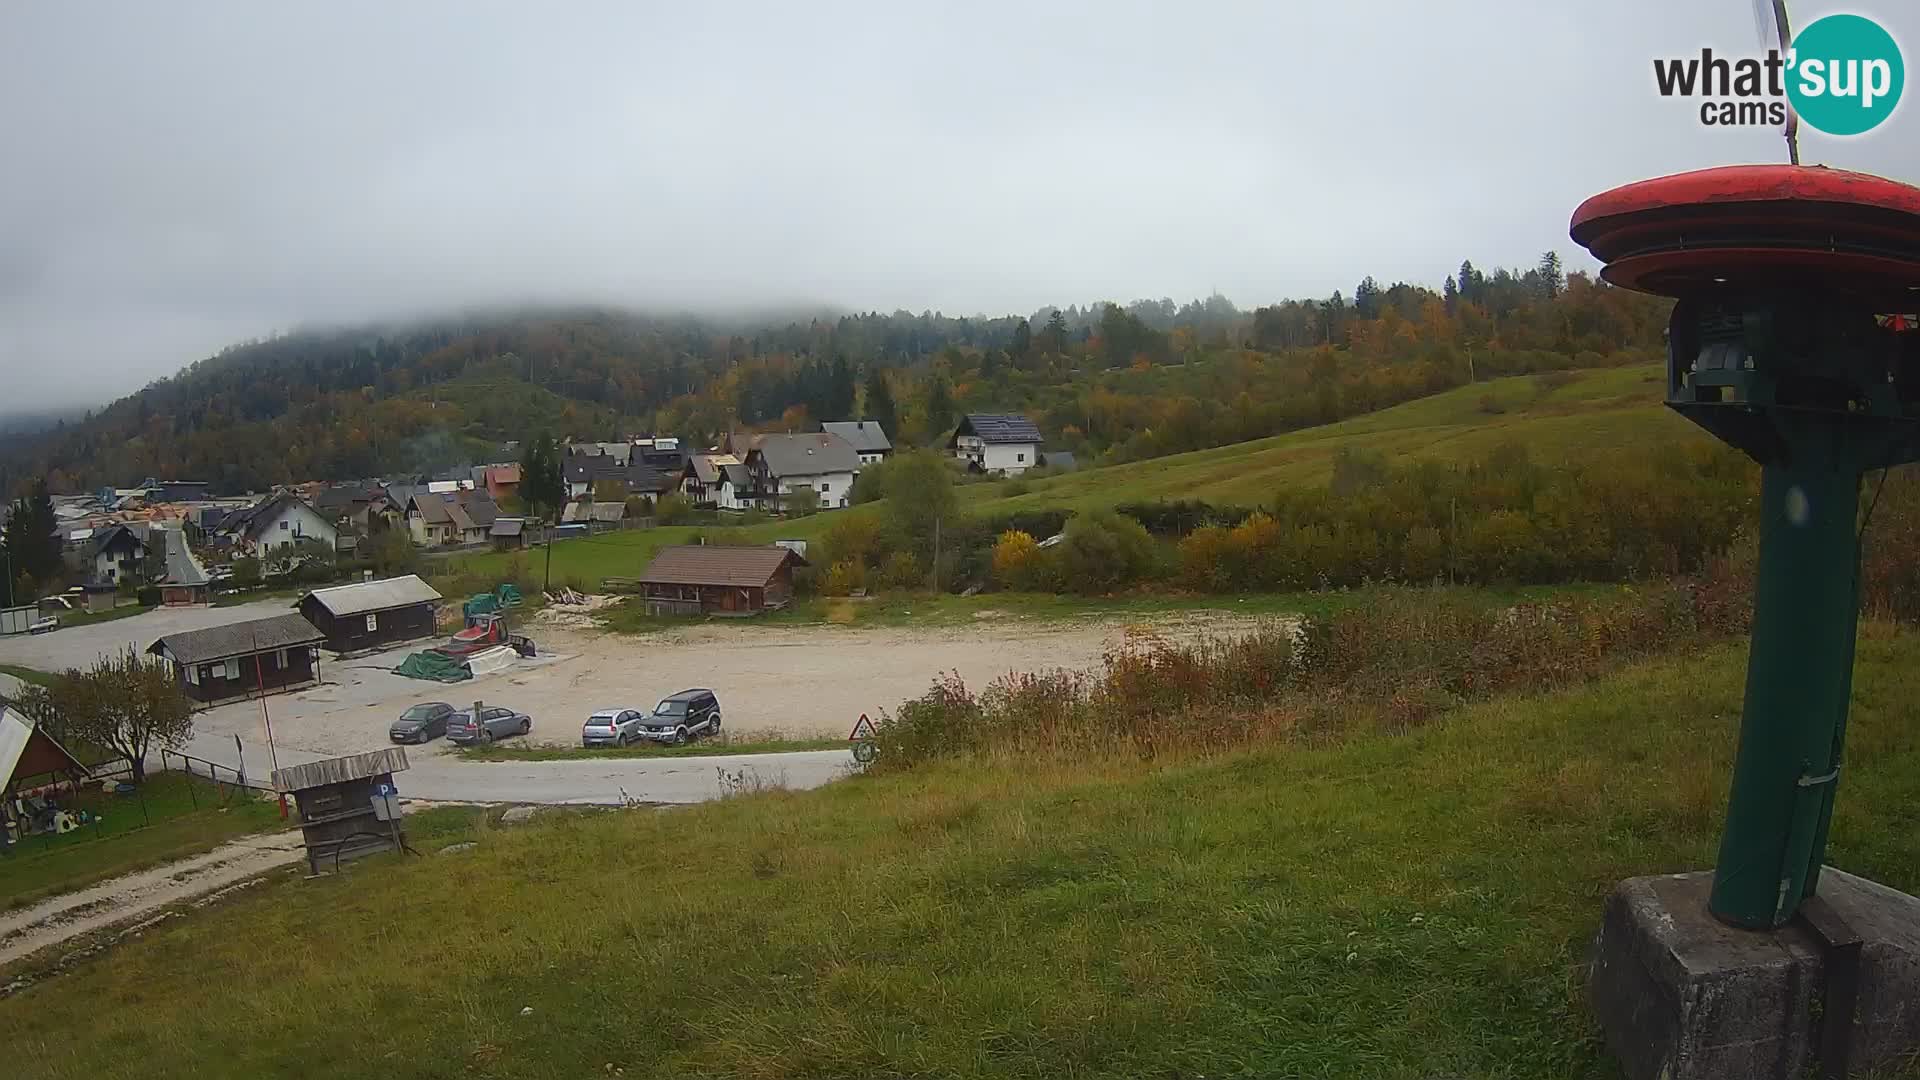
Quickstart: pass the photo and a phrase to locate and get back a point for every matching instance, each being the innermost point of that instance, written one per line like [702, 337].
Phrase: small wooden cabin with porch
[716, 580]
[240, 660]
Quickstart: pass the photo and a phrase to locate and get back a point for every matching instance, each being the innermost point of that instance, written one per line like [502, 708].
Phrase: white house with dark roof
[823, 463]
[1006, 444]
[865, 436]
[275, 522]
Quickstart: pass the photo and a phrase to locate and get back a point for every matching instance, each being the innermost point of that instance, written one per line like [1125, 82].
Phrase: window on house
[230, 669]
[280, 659]
[283, 526]
[824, 489]
[194, 674]
[1020, 457]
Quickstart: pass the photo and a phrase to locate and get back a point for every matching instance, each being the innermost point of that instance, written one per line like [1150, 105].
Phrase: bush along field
[1394, 660]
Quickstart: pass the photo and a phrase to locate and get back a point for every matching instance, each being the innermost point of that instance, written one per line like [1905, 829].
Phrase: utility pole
[260, 684]
[1453, 537]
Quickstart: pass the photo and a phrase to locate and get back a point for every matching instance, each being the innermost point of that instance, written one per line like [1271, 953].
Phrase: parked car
[613, 727]
[494, 722]
[45, 624]
[681, 716]
[421, 723]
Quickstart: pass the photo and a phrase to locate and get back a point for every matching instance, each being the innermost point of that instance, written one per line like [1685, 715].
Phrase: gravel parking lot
[78, 646]
[798, 681]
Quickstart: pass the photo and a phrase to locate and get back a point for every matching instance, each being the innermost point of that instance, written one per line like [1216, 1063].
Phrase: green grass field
[83, 618]
[173, 817]
[27, 674]
[948, 609]
[1596, 411]
[1408, 906]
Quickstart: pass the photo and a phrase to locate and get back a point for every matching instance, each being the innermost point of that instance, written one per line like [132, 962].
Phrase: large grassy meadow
[1572, 416]
[1403, 905]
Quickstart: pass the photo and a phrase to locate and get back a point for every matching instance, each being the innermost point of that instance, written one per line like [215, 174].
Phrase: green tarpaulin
[435, 666]
[508, 595]
[481, 604]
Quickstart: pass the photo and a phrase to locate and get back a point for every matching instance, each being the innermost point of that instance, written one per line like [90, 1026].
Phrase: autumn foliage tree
[124, 703]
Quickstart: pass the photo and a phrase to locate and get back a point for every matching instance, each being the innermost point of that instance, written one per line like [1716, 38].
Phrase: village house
[461, 516]
[663, 454]
[183, 581]
[718, 481]
[865, 436]
[1005, 444]
[117, 554]
[275, 523]
[583, 472]
[502, 481]
[351, 506]
[717, 580]
[782, 465]
[244, 659]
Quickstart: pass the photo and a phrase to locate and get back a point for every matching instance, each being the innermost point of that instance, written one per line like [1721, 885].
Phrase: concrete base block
[1683, 996]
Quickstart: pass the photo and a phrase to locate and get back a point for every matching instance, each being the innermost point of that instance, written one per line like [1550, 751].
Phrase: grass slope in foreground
[1397, 906]
[173, 817]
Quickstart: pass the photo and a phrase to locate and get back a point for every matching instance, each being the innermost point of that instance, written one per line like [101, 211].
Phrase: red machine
[485, 632]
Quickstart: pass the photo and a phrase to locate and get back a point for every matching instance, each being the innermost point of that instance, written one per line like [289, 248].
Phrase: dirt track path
[143, 893]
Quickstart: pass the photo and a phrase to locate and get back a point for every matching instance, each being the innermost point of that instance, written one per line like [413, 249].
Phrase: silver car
[613, 727]
[494, 722]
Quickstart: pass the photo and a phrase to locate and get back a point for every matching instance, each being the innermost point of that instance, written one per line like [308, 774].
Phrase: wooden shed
[243, 659]
[28, 756]
[371, 615]
[716, 580]
[348, 805]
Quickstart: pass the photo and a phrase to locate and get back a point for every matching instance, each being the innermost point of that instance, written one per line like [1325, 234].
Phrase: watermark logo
[1844, 76]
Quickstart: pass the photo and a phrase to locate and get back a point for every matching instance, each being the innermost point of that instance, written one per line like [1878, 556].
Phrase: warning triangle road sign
[862, 729]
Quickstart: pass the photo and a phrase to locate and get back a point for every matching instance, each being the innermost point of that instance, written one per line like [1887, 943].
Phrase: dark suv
[681, 716]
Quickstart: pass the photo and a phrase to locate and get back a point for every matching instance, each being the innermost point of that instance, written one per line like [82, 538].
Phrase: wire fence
[71, 812]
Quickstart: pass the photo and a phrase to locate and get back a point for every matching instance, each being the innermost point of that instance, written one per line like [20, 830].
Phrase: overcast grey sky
[181, 175]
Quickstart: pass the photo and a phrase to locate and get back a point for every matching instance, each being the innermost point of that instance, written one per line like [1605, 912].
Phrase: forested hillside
[1110, 382]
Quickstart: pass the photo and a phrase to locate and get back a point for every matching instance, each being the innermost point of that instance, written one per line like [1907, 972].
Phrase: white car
[613, 727]
[45, 624]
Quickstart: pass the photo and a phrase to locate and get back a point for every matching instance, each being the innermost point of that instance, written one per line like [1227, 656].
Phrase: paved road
[660, 780]
[435, 775]
[78, 646]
